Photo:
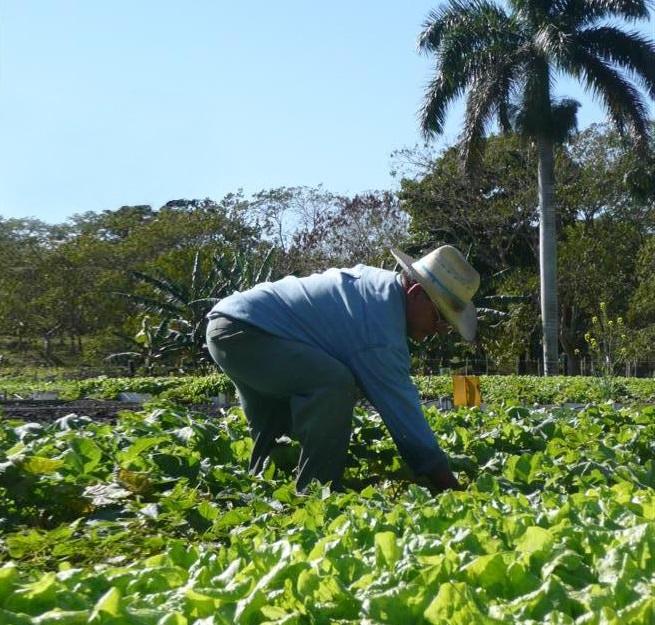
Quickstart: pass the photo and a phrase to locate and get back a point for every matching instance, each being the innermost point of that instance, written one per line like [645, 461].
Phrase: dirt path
[49, 410]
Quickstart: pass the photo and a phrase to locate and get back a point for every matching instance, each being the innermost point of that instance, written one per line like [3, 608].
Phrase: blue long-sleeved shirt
[357, 316]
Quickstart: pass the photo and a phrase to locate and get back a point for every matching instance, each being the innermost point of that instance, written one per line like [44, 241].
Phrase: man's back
[342, 311]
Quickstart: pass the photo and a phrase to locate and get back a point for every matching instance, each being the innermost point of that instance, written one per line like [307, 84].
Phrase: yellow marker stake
[466, 390]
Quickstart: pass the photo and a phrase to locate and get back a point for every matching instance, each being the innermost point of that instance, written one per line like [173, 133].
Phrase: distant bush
[526, 390]
[539, 390]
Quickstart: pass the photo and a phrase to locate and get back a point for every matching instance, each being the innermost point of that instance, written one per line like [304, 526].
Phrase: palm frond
[491, 313]
[471, 22]
[564, 119]
[224, 267]
[631, 51]
[195, 272]
[501, 273]
[211, 284]
[210, 301]
[467, 38]
[162, 330]
[437, 22]
[576, 13]
[265, 269]
[429, 38]
[162, 285]
[120, 355]
[503, 299]
[485, 97]
[479, 111]
[551, 41]
[438, 97]
[504, 121]
[149, 304]
[621, 99]
[539, 7]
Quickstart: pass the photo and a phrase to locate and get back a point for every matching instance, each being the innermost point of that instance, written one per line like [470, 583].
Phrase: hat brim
[464, 321]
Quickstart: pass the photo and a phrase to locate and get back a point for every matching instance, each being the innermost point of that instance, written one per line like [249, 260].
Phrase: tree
[354, 230]
[284, 210]
[612, 179]
[493, 216]
[642, 306]
[597, 264]
[26, 250]
[506, 62]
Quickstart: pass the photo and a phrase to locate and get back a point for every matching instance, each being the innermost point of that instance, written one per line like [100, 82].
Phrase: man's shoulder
[371, 273]
[337, 274]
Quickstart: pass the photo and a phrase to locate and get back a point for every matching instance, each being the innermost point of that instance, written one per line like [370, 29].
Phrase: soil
[100, 410]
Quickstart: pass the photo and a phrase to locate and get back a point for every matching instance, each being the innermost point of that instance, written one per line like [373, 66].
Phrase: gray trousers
[288, 387]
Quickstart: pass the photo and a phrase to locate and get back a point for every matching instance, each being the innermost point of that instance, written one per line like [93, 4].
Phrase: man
[297, 349]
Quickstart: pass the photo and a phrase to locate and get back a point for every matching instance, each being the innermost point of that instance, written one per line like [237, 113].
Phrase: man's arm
[383, 375]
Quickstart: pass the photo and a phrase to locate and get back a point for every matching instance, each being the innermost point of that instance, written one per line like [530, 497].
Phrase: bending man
[297, 349]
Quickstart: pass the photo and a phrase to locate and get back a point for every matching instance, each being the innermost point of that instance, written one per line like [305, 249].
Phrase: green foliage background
[58, 290]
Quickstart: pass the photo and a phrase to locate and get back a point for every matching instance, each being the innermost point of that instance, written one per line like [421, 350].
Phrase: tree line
[504, 59]
[132, 285]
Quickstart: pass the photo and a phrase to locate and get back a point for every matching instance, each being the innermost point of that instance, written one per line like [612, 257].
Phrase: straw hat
[450, 282]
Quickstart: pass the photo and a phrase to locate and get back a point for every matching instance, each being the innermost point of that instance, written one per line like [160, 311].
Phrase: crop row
[200, 389]
[154, 520]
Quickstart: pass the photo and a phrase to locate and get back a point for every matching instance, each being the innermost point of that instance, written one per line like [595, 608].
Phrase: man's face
[423, 318]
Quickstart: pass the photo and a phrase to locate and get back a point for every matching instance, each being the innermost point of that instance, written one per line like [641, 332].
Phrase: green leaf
[138, 447]
[518, 468]
[8, 579]
[550, 597]
[489, 572]
[248, 609]
[40, 465]
[12, 618]
[520, 580]
[109, 603]
[308, 582]
[29, 542]
[536, 542]
[208, 511]
[404, 603]
[456, 605]
[199, 604]
[84, 455]
[387, 551]
[36, 597]
[174, 618]
[62, 617]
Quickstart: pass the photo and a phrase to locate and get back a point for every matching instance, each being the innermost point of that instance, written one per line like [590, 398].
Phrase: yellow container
[466, 390]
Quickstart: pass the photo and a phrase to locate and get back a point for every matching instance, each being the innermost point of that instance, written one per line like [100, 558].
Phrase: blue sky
[114, 103]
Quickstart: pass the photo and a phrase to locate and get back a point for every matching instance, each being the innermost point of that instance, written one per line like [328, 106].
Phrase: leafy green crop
[155, 520]
[200, 389]
[527, 389]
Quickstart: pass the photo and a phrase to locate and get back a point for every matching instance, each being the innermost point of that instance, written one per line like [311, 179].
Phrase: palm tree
[505, 62]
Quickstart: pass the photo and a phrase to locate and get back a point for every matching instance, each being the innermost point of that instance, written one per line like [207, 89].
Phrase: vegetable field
[154, 520]
[200, 389]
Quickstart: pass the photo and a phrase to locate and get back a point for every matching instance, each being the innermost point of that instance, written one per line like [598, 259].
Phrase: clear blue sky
[104, 104]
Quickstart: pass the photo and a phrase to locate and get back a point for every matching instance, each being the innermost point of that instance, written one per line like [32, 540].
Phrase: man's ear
[414, 291]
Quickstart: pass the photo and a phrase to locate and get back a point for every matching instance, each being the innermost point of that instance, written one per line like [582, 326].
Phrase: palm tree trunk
[548, 256]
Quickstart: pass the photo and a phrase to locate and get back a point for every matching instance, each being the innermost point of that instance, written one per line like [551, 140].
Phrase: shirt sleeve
[384, 377]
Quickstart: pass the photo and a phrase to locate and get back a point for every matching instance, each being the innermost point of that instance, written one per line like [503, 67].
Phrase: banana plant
[182, 305]
[151, 344]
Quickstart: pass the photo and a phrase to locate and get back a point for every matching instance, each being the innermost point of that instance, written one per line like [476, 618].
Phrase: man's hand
[443, 479]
